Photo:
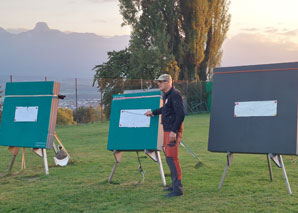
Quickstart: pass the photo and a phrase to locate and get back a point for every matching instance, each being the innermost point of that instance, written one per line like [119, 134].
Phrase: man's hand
[149, 113]
[172, 136]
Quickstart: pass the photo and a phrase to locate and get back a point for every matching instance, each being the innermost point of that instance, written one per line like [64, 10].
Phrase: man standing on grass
[172, 115]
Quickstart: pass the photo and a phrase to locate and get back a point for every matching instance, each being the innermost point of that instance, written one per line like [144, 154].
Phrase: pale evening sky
[103, 18]
[270, 22]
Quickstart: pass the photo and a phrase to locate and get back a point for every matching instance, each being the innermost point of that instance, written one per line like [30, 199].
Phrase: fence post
[101, 113]
[76, 90]
[10, 78]
[201, 95]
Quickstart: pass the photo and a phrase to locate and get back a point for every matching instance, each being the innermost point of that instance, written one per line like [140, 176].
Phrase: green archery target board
[130, 129]
[29, 114]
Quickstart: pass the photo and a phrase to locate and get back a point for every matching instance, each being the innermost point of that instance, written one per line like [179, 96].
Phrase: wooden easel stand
[23, 166]
[40, 152]
[14, 151]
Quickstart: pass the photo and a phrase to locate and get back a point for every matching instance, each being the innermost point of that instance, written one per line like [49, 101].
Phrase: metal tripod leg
[229, 163]
[155, 156]
[284, 173]
[269, 167]
[45, 161]
[162, 174]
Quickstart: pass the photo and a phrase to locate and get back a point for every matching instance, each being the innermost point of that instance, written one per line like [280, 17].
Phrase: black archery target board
[254, 109]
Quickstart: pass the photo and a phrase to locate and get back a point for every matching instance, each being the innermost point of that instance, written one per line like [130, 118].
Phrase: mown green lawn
[82, 186]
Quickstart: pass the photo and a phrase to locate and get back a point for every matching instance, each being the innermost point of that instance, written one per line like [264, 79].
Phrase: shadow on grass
[19, 175]
[11, 174]
[198, 164]
[105, 182]
[30, 178]
[130, 183]
[4, 174]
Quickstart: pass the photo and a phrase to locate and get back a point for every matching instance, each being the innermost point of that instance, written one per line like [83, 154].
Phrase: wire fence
[80, 92]
[196, 94]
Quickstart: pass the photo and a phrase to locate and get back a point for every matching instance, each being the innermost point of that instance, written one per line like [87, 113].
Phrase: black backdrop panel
[261, 134]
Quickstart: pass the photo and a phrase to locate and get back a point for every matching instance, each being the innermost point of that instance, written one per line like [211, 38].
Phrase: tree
[110, 76]
[154, 37]
[220, 22]
[195, 22]
[181, 37]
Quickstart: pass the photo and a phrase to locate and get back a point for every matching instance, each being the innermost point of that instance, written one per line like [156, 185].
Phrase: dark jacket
[172, 113]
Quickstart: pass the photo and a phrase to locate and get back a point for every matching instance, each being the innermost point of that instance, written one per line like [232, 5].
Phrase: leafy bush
[65, 116]
[88, 114]
[99, 116]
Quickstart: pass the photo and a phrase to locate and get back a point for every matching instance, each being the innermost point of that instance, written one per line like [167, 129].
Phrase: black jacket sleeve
[157, 111]
[177, 104]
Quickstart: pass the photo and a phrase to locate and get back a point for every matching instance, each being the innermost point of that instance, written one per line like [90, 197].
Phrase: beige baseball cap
[164, 77]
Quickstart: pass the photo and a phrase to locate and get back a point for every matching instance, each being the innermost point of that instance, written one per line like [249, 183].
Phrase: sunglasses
[161, 81]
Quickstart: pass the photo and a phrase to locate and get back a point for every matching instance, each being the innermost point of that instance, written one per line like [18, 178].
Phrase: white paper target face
[26, 114]
[134, 118]
[255, 108]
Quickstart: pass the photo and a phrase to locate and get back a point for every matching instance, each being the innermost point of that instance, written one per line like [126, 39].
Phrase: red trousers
[171, 151]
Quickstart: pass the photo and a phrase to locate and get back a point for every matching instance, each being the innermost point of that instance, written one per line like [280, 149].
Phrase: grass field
[82, 186]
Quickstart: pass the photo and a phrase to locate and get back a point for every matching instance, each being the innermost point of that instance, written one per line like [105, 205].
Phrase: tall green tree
[217, 30]
[194, 24]
[181, 37]
[154, 38]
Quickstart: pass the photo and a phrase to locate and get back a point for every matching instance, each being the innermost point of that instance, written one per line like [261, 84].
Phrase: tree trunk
[202, 71]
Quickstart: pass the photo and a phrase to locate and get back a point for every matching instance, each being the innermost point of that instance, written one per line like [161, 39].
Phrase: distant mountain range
[34, 54]
[55, 54]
